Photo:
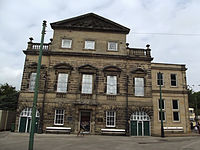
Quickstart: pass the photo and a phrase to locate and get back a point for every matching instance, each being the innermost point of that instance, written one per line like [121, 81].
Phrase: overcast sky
[179, 20]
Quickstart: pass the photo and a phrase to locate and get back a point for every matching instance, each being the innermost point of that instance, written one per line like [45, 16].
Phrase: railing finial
[148, 46]
[127, 44]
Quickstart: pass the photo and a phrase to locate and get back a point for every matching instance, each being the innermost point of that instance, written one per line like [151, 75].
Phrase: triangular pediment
[90, 22]
[138, 71]
[87, 67]
[63, 66]
[112, 69]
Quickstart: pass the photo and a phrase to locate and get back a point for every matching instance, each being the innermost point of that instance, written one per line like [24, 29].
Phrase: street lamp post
[31, 137]
[161, 112]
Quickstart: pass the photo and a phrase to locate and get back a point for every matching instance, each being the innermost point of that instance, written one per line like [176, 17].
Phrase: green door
[139, 128]
[133, 128]
[36, 124]
[29, 125]
[22, 125]
[146, 128]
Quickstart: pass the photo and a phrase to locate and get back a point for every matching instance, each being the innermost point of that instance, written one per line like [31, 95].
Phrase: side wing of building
[174, 95]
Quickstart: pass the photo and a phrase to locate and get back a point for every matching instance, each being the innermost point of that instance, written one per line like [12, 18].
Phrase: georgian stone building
[89, 75]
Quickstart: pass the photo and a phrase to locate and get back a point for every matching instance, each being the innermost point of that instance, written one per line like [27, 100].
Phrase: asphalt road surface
[19, 141]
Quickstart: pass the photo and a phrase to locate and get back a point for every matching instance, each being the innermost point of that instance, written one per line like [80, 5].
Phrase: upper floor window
[59, 117]
[173, 80]
[32, 81]
[112, 85]
[139, 86]
[159, 78]
[89, 44]
[62, 82]
[163, 109]
[110, 118]
[86, 84]
[66, 43]
[112, 46]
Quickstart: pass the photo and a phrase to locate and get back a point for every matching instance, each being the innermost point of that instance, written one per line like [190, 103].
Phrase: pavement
[19, 141]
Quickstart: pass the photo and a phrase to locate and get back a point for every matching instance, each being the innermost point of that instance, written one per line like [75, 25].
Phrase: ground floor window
[176, 116]
[163, 115]
[110, 118]
[59, 117]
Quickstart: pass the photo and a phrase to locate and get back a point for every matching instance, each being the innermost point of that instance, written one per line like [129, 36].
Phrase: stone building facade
[91, 77]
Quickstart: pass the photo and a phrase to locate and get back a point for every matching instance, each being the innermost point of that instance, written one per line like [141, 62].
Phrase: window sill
[174, 86]
[110, 126]
[85, 49]
[176, 121]
[139, 96]
[65, 48]
[112, 50]
[161, 85]
[58, 124]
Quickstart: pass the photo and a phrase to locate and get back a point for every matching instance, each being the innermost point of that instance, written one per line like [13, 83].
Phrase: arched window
[141, 116]
[27, 112]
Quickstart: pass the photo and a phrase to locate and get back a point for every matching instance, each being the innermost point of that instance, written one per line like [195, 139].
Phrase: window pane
[62, 82]
[112, 46]
[163, 104]
[89, 44]
[173, 79]
[163, 115]
[175, 104]
[112, 85]
[176, 116]
[159, 78]
[32, 81]
[66, 43]
[87, 84]
[139, 86]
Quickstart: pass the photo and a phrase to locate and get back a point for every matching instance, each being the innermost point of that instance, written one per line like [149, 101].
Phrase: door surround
[138, 122]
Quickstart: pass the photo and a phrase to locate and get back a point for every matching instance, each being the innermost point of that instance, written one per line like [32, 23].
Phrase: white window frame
[85, 84]
[173, 80]
[163, 110]
[89, 44]
[110, 47]
[114, 86]
[175, 110]
[63, 114]
[139, 91]
[32, 81]
[178, 116]
[61, 84]
[162, 80]
[66, 46]
[164, 116]
[109, 115]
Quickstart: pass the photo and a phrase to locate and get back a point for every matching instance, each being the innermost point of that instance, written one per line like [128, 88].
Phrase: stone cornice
[170, 91]
[56, 53]
[169, 68]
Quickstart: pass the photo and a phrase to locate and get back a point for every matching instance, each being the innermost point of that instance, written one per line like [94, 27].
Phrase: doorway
[85, 120]
[25, 120]
[140, 124]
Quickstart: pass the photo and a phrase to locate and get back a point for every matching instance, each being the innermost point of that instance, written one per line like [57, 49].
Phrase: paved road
[19, 141]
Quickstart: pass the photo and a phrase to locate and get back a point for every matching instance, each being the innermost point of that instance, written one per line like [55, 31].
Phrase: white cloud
[11, 76]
